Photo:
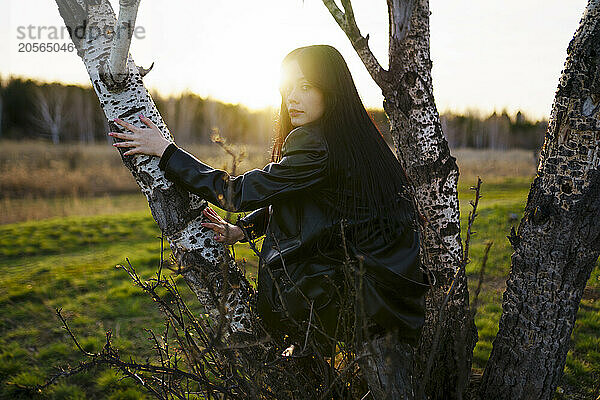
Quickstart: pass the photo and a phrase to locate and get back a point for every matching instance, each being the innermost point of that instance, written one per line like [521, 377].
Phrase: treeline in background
[71, 114]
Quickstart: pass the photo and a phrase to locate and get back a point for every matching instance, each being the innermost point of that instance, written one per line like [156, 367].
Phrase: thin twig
[66, 327]
[475, 301]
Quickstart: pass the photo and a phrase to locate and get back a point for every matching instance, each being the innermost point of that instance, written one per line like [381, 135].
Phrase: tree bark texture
[558, 239]
[177, 212]
[388, 367]
[423, 151]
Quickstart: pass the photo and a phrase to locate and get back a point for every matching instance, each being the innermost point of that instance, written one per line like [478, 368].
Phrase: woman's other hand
[224, 231]
[141, 140]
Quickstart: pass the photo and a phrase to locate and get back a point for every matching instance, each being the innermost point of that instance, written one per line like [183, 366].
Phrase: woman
[330, 169]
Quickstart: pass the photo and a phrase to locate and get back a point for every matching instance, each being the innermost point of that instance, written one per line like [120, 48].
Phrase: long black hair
[377, 182]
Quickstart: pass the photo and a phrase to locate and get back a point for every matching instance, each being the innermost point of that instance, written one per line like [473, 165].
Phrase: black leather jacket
[301, 256]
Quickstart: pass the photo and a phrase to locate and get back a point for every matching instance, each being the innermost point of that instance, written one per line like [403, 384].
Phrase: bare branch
[475, 301]
[336, 13]
[349, 11]
[348, 24]
[122, 40]
[66, 327]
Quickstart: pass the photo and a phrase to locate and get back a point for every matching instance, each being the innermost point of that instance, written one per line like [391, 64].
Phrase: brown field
[39, 180]
[494, 166]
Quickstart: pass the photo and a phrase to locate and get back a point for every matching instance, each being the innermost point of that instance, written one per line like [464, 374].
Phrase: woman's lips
[295, 113]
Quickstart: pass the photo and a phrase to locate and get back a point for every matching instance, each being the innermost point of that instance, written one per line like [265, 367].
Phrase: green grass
[70, 263]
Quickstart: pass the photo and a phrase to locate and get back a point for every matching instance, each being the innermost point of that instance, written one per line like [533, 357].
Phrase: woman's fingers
[215, 221]
[144, 140]
[148, 122]
[127, 125]
[219, 231]
[132, 152]
[120, 135]
[209, 210]
[212, 215]
[215, 227]
[224, 232]
[207, 213]
[126, 144]
[215, 217]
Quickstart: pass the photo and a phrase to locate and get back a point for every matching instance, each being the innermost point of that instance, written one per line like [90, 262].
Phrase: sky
[487, 55]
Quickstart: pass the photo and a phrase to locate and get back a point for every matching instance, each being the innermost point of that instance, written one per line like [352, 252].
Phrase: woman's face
[304, 102]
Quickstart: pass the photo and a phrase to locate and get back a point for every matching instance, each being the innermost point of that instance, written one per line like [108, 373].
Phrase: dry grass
[39, 169]
[39, 180]
[495, 166]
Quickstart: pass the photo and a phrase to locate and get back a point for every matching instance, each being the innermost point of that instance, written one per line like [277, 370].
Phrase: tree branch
[348, 24]
[119, 50]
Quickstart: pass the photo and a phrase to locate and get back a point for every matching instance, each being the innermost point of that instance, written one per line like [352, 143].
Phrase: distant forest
[68, 113]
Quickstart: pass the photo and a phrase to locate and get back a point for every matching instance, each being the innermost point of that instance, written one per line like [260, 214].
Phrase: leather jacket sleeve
[303, 165]
[255, 223]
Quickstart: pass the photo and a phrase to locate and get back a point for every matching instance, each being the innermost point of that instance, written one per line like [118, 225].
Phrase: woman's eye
[305, 87]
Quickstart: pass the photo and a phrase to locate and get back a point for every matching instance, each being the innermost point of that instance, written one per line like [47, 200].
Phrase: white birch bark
[124, 28]
[178, 213]
[423, 151]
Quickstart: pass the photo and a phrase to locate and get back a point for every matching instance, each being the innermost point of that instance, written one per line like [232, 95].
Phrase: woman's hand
[224, 231]
[142, 140]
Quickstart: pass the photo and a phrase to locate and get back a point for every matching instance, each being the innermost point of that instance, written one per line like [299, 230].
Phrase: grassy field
[69, 261]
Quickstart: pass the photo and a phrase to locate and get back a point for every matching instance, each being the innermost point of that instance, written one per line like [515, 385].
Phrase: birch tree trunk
[178, 213]
[558, 240]
[423, 151]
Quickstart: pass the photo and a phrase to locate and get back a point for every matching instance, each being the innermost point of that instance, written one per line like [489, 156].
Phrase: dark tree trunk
[388, 369]
[558, 240]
